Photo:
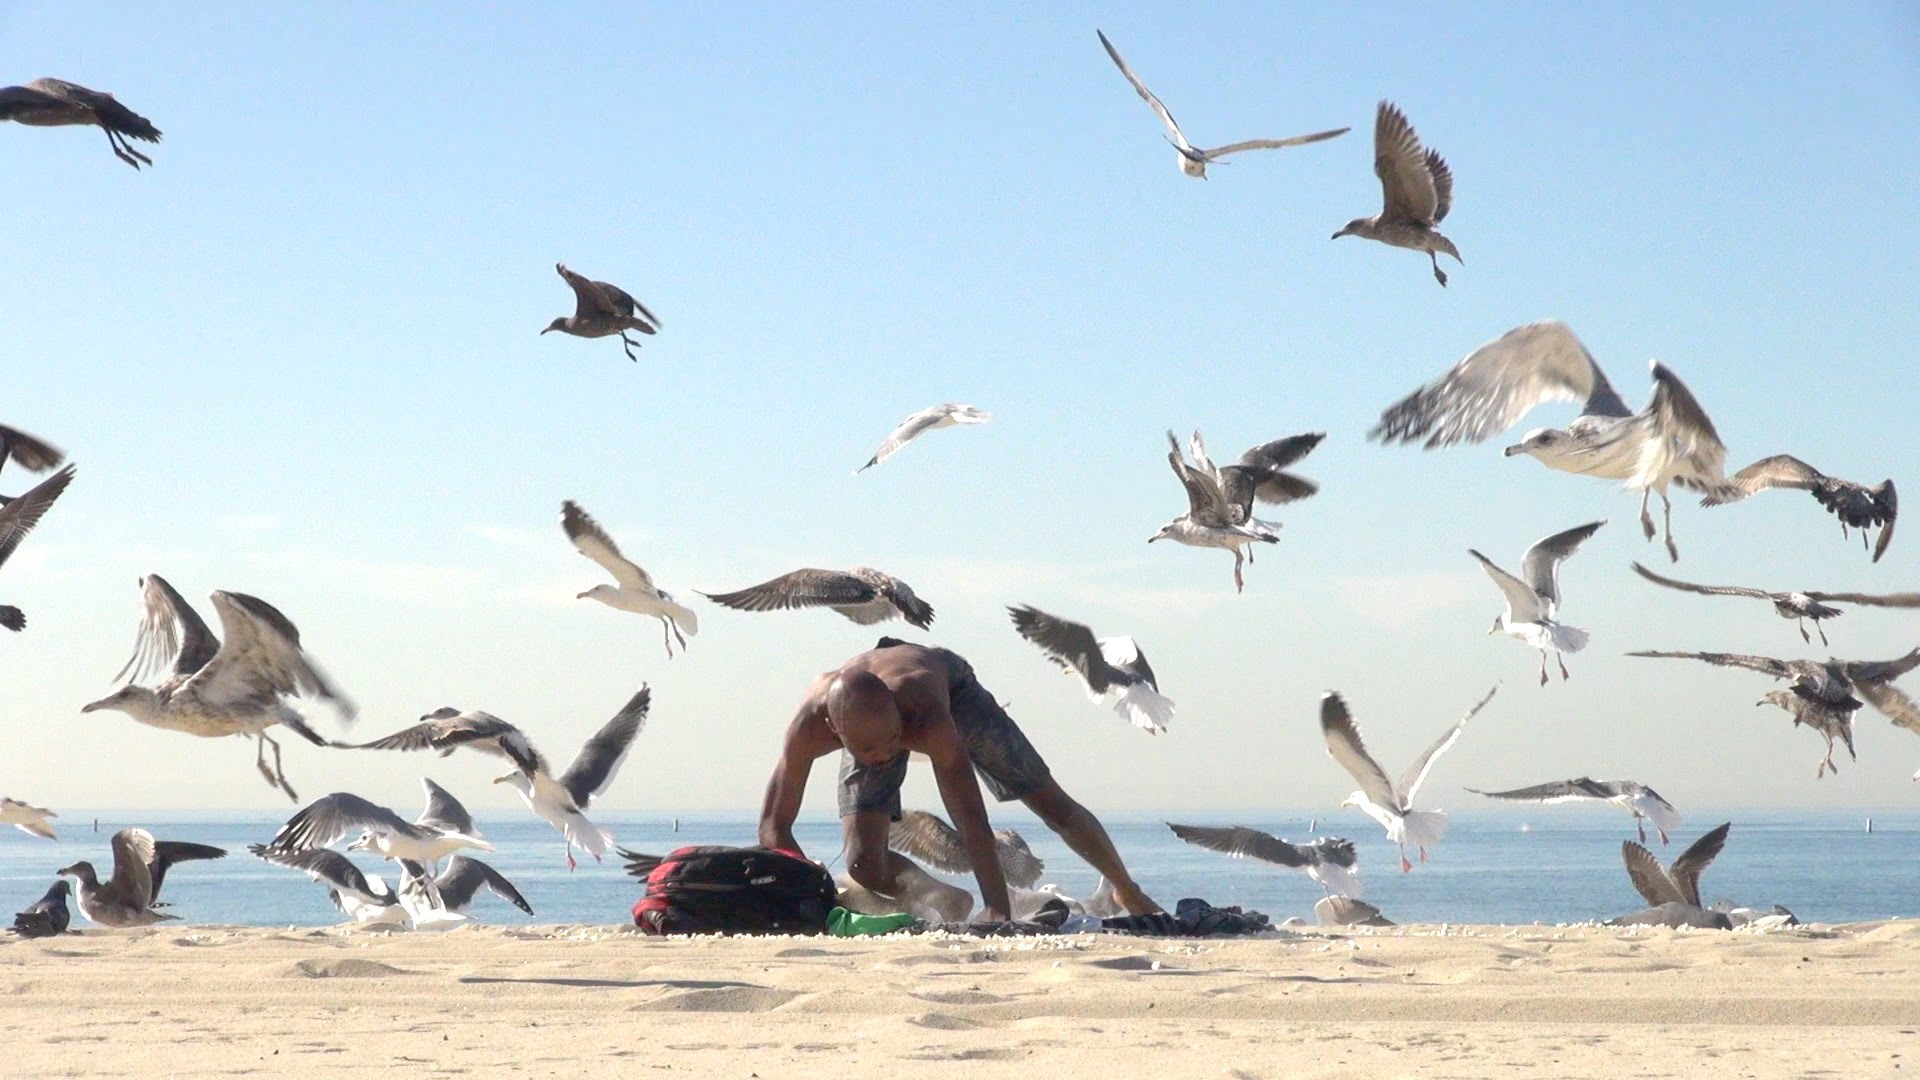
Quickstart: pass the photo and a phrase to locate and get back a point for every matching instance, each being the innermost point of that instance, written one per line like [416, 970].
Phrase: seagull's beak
[358, 845]
[580, 596]
[543, 332]
[67, 871]
[501, 779]
[1338, 235]
[1516, 448]
[91, 706]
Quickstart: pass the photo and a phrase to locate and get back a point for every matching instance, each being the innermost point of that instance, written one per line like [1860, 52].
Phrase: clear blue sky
[299, 357]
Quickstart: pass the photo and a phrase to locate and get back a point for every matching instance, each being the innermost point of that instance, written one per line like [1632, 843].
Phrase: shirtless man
[899, 698]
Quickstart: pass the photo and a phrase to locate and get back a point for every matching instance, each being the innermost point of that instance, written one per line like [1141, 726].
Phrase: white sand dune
[601, 1001]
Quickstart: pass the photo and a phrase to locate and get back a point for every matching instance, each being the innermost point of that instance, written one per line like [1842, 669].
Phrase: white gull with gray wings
[1644, 803]
[1384, 801]
[1330, 860]
[932, 418]
[635, 590]
[863, 594]
[1533, 599]
[330, 819]
[216, 688]
[1112, 669]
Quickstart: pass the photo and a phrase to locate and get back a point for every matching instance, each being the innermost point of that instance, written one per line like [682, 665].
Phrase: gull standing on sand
[1856, 505]
[58, 103]
[332, 818]
[1417, 187]
[1644, 803]
[1671, 441]
[1388, 803]
[47, 916]
[218, 688]
[929, 419]
[1112, 669]
[1193, 160]
[1532, 603]
[1798, 606]
[603, 310]
[635, 590]
[1679, 881]
[1220, 500]
[17, 519]
[140, 864]
[560, 802]
[1822, 694]
[32, 820]
[30, 453]
[862, 594]
[1330, 860]
[929, 839]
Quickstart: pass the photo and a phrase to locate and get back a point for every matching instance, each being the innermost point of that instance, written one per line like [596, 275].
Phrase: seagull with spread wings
[635, 590]
[332, 818]
[601, 309]
[1417, 189]
[363, 898]
[17, 519]
[1644, 803]
[1856, 505]
[1192, 159]
[1822, 695]
[1679, 881]
[929, 839]
[1798, 606]
[1220, 500]
[1671, 441]
[560, 801]
[140, 865]
[1330, 860]
[932, 418]
[29, 819]
[862, 594]
[1384, 801]
[58, 103]
[1533, 603]
[458, 885]
[1112, 669]
[216, 688]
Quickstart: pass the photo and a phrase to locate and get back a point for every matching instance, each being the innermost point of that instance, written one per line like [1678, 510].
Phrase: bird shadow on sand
[621, 984]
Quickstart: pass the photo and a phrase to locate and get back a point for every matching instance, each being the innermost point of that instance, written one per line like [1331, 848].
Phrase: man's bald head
[861, 710]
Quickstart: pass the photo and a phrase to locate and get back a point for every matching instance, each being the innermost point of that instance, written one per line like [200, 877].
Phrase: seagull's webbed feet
[122, 150]
[1803, 633]
[1562, 661]
[1423, 854]
[570, 862]
[1543, 667]
[678, 635]
[631, 345]
[1439, 275]
[666, 636]
[1666, 514]
[1662, 832]
[1821, 630]
[1646, 519]
[276, 776]
[1405, 866]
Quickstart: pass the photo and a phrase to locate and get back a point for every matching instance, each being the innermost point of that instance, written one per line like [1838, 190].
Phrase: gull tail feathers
[1569, 639]
[1342, 881]
[588, 837]
[1424, 828]
[1145, 708]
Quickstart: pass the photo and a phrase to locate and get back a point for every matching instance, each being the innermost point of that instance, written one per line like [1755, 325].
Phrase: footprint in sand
[944, 1022]
[342, 969]
[731, 999]
[960, 997]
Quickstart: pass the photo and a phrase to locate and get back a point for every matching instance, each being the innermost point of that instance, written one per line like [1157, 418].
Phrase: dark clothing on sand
[1008, 764]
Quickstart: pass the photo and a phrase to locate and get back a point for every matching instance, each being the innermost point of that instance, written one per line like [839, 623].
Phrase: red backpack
[731, 890]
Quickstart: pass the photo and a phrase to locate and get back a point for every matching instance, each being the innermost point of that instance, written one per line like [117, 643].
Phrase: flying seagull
[1679, 881]
[932, 418]
[562, 801]
[1330, 860]
[635, 590]
[1822, 695]
[461, 882]
[332, 818]
[929, 839]
[140, 864]
[603, 310]
[217, 688]
[1220, 500]
[1386, 802]
[47, 916]
[31, 820]
[1798, 606]
[361, 897]
[1856, 505]
[1533, 603]
[30, 453]
[58, 103]
[1671, 441]
[1644, 803]
[862, 594]
[1112, 669]
[17, 519]
[1193, 160]
[1417, 187]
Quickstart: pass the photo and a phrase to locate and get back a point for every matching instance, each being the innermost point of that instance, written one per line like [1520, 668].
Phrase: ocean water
[1549, 864]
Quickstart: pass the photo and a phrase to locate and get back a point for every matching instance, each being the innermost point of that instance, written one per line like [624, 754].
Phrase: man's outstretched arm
[960, 791]
[789, 782]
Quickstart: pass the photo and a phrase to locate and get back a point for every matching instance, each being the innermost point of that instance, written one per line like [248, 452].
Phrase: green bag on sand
[844, 923]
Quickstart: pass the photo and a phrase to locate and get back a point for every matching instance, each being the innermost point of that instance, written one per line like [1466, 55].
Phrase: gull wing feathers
[1146, 95]
[1649, 879]
[929, 839]
[170, 632]
[593, 542]
[463, 878]
[1070, 644]
[594, 767]
[443, 811]
[31, 453]
[1272, 144]
[1408, 180]
[1416, 773]
[1685, 871]
[132, 881]
[1720, 590]
[1497, 384]
[1766, 665]
[1523, 604]
[259, 651]
[22, 513]
[332, 818]
[1540, 566]
[1556, 791]
[329, 868]
[167, 853]
[1242, 842]
[1344, 745]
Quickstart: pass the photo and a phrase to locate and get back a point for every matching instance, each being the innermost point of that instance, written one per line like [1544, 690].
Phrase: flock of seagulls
[243, 683]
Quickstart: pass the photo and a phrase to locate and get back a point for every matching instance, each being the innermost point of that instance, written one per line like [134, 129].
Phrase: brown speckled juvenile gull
[1418, 190]
[58, 103]
[862, 594]
[1856, 505]
[603, 310]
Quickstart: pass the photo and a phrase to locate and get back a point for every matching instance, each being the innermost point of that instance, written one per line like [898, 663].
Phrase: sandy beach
[603, 1001]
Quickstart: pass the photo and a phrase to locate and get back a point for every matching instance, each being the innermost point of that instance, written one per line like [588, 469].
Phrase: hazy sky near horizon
[298, 357]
